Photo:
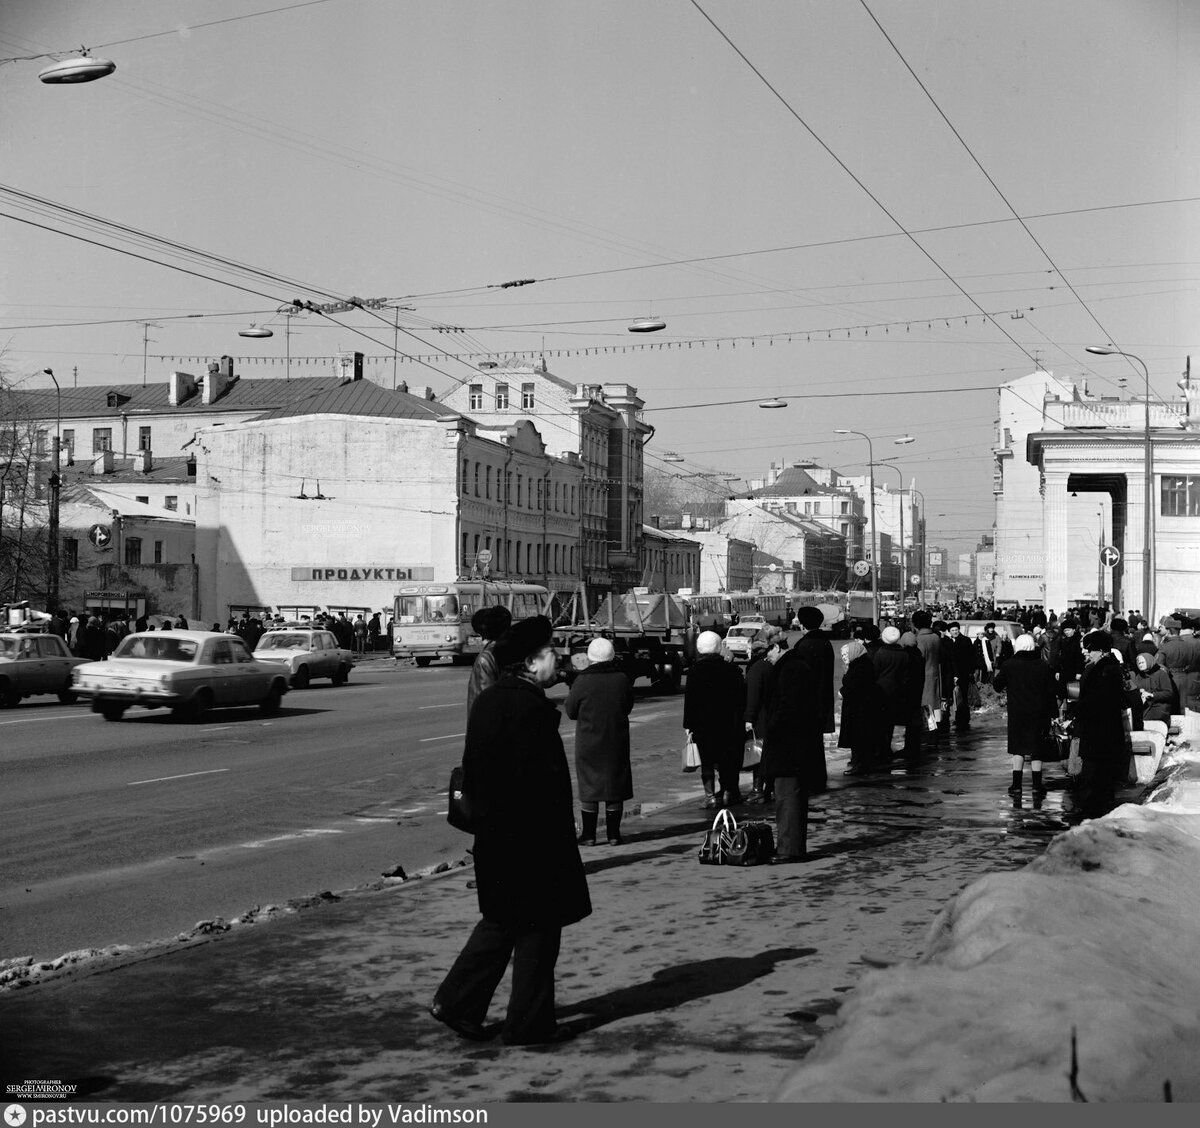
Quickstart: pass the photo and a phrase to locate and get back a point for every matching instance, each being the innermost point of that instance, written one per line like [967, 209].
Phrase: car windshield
[156, 649]
[8, 647]
[742, 632]
[284, 642]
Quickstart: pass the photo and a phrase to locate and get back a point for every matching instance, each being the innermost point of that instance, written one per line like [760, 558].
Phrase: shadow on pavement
[674, 986]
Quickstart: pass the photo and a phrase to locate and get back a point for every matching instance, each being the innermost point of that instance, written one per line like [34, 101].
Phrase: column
[1054, 541]
[1135, 542]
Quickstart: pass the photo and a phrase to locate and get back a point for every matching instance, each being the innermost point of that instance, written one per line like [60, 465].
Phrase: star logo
[14, 1116]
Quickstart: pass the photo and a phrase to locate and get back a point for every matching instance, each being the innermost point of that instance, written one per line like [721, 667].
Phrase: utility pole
[55, 484]
[146, 327]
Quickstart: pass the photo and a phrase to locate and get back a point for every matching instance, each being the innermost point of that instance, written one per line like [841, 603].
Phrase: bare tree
[24, 467]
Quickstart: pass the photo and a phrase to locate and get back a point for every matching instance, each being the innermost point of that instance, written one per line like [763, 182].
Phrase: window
[171, 501]
[475, 397]
[133, 550]
[39, 442]
[70, 554]
[143, 438]
[158, 552]
[487, 482]
[1180, 497]
[67, 444]
[501, 397]
[143, 498]
[101, 439]
[466, 469]
[845, 507]
[527, 397]
[476, 479]
[520, 483]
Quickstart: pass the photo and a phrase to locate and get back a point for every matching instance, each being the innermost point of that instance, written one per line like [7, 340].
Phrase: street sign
[861, 568]
[914, 579]
[1110, 556]
[100, 536]
[484, 556]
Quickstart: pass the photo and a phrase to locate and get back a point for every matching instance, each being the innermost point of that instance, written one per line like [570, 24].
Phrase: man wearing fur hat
[529, 878]
[816, 649]
[1099, 723]
[600, 701]
[489, 623]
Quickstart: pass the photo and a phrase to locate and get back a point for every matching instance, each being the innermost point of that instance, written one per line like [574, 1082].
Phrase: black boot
[612, 823]
[711, 802]
[1015, 789]
[1039, 788]
[589, 820]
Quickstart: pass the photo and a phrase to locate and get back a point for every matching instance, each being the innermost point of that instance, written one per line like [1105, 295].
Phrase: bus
[718, 611]
[431, 620]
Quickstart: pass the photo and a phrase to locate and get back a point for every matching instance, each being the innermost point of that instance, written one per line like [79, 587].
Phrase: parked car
[305, 653]
[33, 663]
[973, 628]
[188, 672]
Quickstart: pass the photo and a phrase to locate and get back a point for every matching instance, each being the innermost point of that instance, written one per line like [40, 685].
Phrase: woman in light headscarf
[864, 710]
[1032, 706]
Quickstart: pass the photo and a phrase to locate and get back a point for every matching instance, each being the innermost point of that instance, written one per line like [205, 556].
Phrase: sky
[877, 210]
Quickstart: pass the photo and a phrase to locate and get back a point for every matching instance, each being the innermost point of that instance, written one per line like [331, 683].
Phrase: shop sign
[361, 572]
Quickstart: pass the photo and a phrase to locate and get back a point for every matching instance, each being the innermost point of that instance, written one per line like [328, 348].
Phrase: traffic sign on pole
[1110, 557]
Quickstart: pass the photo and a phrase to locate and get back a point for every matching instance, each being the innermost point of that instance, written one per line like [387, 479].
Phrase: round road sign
[861, 568]
[1110, 556]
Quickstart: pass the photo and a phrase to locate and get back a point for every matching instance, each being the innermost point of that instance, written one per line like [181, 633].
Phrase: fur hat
[708, 642]
[810, 618]
[523, 640]
[1097, 640]
[600, 650]
[491, 622]
[890, 635]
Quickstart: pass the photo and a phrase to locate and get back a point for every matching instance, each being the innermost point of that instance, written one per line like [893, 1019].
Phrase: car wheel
[341, 675]
[9, 697]
[423, 662]
[200, 705]
[300, 678]
[270, 704]
[112, 712]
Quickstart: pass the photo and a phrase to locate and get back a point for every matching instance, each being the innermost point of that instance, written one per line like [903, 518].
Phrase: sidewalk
[688, 982]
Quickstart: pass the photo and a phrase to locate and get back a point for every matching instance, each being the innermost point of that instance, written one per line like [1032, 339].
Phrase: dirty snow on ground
[1076, 978]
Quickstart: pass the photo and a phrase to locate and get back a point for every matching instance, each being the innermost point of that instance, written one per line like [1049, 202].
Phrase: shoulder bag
[718, 840]
[691, 754]
[459, 814]
[753, 753]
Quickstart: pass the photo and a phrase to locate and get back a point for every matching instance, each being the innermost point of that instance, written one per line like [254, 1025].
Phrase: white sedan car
[304, 653]
[188, 672]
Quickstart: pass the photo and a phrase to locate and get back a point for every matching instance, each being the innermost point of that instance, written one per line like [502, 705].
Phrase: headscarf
[1024, 642]
[890, 635]
[851, 650]
[708, 642]
[600, 650]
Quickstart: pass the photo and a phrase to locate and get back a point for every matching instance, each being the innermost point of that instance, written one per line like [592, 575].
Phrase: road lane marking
[186, 775]
[53, 717]
[451, 705]
[312, 833]
[450, 736]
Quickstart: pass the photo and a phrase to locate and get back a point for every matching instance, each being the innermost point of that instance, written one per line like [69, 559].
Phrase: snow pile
[1096, 939]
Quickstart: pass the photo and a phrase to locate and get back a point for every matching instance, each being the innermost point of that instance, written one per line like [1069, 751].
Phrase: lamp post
[55, 483]
[874, 552]
[1100, 564]
[1148, 474]
[921, 586]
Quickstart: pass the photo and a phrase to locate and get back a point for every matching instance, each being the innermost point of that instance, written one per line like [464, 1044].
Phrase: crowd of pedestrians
[902, 688]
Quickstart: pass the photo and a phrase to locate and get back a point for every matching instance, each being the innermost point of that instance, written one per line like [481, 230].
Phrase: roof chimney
[429, 394]
[102, 463]
[182, 387]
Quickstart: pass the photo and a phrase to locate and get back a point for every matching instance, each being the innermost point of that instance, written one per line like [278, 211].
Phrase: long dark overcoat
[1164, 700]
[866, 720]
[816, 649]
[714, 703]
[794, 744]
[599, 702]
[893, 676]
[1100, 714]
[760, 684]
[1032, 701]
[528, 873]
[929, 643]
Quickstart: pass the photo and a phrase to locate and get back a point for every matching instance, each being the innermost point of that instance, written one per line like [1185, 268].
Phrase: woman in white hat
[599, 703]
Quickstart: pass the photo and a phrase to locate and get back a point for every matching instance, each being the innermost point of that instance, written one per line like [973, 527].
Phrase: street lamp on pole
[55, 484]
[871, 487]
[921, 586]
[1148, 474]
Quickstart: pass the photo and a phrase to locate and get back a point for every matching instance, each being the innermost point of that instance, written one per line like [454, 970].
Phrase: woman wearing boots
[599, 703]
[1032, 705]
[765, 649]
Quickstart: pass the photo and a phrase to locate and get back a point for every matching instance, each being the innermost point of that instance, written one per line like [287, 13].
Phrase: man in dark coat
[945, 674]
[489, 623]
[865, 717]
[1065, 655]
[714, 705]
[793, 739]
[600, 701]
[528, 874]
[765, 650]
[815, 647]
[991, 652]
[1100, 724]
[1032, 706]
[962, 656]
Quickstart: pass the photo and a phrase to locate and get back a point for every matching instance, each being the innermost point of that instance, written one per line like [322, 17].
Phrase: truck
[651, 632]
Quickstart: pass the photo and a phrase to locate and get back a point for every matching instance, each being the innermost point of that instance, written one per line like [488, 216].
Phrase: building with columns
[1070, 482]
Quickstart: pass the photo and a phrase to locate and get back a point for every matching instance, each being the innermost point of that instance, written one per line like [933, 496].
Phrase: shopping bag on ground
[752, 845]
[691, 754]
[718, 839]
